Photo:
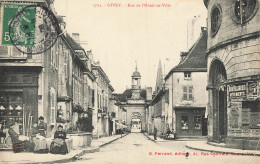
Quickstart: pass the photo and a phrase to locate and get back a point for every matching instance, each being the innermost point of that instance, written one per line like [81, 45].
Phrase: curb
[75, 157]
[104, 144]
[223, 152]
[70, 159]
[149, 138]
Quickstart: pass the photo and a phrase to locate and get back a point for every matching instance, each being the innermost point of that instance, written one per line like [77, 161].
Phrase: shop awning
[119, 126]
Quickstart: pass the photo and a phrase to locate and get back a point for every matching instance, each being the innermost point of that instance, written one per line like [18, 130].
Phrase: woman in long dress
[58, 145]
[40, 144]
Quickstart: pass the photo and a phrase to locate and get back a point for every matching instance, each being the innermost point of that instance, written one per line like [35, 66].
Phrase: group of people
[169, 134]
[37, 141]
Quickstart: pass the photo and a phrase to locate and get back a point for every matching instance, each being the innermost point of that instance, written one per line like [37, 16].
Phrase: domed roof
[136, 74]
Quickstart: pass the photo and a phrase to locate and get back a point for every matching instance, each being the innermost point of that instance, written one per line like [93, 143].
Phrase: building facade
[187, 98]
[100, 113]
[58, 84]
[29, 82]
[233, 72]
[134, 101]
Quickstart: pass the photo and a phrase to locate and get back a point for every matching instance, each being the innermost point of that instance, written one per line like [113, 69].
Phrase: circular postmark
[34, 29]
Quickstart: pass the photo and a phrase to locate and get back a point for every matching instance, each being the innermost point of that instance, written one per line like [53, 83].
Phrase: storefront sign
[252, 90]
[237, 92]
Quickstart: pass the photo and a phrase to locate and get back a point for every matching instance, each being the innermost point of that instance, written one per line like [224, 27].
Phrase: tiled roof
[196, 59]
[127, 94]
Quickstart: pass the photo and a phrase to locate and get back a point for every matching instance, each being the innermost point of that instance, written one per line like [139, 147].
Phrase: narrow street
[135, 149]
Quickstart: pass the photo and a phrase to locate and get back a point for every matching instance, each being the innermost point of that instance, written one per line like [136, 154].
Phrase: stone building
[28, 82]
[158, 105]
[233, 72]
[100, 114]
[134, 101]
[186, 84]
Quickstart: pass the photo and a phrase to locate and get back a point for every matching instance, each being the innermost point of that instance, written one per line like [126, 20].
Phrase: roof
[136, 74]
[127, 94]
[73, 43]
[101, 71]
[195, 60]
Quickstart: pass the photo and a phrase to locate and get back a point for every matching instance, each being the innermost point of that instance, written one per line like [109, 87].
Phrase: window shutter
[190, 93]
[184, 96]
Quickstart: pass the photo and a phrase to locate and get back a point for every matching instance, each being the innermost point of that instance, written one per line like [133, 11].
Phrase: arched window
[244, 9]
[215, 19]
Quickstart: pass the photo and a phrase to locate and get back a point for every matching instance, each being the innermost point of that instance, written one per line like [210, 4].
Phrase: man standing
[155, 133]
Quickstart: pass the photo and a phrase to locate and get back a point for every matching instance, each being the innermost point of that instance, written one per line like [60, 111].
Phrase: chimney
[183, 55]
[75, 36]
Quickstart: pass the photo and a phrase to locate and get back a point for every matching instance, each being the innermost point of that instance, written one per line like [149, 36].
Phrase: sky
[119, 36]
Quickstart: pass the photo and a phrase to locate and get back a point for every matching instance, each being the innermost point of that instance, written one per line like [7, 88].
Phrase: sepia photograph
[129, 81]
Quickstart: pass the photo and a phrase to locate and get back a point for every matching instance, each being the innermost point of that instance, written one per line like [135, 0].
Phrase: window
[250, 115]
[215, 19]
[197, 122]
[184, 122]
[11, 51]
[244, 9]
[52, 56]
[187, 75]
[187, 93]
[65, 52]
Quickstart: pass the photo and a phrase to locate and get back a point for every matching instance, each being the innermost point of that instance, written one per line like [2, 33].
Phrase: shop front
[190, 122]
[234, 109]
[18, 99]
[243, 115]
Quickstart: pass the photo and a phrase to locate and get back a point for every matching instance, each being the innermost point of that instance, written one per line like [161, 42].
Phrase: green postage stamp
[23, 28]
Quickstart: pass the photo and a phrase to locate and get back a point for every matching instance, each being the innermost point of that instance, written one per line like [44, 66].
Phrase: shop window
[215, 19]
[11, 110]
[184, 122]
[187, 93]
[244, 10]
[250, 114]
[187, 75]
[197, 122]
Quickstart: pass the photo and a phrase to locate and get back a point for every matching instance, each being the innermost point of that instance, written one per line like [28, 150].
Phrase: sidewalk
[199, 143]
[29, 157]
[202, 138]
[203, 146]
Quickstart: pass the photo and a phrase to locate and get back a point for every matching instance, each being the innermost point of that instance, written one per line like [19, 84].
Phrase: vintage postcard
[129, 81]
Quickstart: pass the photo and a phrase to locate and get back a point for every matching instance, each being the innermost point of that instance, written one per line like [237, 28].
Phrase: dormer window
[187, 75]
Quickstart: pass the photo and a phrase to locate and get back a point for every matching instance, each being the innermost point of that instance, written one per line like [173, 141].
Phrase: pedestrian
[40, 143]
[173, 133]
[20, 142]
[168, 132]
[58, 145]
[155, 133]
[42, 127]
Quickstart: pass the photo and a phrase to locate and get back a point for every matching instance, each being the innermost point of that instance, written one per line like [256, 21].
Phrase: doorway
[218, 96]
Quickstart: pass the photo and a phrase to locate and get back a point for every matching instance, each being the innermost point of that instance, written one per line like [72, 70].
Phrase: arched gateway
[136, 123]
[218, 100]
